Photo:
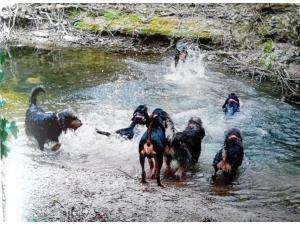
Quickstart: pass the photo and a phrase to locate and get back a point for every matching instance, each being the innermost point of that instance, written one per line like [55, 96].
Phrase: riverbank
[260, 41]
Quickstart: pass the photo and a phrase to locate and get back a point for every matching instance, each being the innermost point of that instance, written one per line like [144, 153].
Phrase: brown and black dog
[47, 126]
[230, 157]
[159, 134]
[140, 116]
[186, 147]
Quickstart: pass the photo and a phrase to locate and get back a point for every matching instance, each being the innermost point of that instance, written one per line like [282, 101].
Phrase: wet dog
[47, 126]
[160, 134]
[181, 52]
[231, 156]
[140, 116]
[186, 146]
[231, 105]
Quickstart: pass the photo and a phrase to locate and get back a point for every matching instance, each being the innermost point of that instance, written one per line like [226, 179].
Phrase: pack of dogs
[160, 143]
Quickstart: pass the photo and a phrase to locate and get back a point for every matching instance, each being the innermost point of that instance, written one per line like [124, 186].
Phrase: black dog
[140, 116]
[159, 134]
[231, 105]
[181, 52]
[231, 156]
[44, 126]
[186, 146]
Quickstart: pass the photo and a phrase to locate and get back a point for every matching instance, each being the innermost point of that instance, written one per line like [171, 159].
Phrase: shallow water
[104, 89]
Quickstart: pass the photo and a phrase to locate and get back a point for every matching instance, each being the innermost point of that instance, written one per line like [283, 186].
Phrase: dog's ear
[62, 120]
[62, 123]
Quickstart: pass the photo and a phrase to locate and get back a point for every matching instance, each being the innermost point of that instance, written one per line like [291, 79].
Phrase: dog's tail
[34, 93]
[103, 132]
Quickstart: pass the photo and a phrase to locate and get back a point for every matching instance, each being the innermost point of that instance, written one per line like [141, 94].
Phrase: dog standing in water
[140, 116]
[47, 126]
[152, 145]
[230, 157]
[181, 52]
[231, 105]
[186, 147]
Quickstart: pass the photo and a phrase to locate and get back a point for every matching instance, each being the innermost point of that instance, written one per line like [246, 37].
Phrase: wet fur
[140, 116]
[186, 146]
[47, 126]
[232, 103]
[180, 53]
[230, 157]
[152, 145]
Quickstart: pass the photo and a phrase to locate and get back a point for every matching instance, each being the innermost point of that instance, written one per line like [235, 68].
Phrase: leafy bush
[6, 127]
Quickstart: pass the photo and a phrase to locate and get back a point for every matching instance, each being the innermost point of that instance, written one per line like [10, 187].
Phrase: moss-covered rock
[131, 23]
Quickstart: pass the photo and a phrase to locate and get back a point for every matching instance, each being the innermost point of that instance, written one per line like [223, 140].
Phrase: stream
[96, 178]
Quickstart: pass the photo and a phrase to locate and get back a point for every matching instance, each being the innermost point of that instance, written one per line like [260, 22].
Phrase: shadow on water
[103, 89]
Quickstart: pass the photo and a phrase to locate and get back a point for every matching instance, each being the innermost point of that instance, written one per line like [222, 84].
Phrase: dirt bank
[260, 41]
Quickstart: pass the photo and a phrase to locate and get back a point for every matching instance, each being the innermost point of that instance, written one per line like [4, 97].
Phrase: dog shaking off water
[47, 126]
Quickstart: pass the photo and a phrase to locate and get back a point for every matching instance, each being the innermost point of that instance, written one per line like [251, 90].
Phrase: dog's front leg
[142, 162]
[41, 144]
[158, 165]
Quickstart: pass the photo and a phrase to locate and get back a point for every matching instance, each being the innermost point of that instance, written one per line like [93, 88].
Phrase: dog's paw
[56, 146]
[178, 175]
[144, 182]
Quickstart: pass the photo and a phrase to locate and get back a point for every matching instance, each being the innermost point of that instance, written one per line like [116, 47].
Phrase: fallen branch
[128, 175]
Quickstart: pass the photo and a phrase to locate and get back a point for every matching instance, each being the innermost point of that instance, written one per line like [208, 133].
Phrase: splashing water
[106, 100]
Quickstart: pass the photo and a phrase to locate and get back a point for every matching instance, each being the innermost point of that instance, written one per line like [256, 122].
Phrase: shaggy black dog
[47, 126]
[186, 146]
[140, 116]
[231, 105]
[231, 156]
[181, 52]
[159, 134]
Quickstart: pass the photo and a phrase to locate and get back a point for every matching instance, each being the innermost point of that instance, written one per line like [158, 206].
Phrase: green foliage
[6, 127]
[268, 46]
[268, 57]
[1, 56]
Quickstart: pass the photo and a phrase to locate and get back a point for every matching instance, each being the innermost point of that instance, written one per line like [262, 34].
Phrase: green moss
[88, 26]
[126, 22]
[160, 25]
[110, 15]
